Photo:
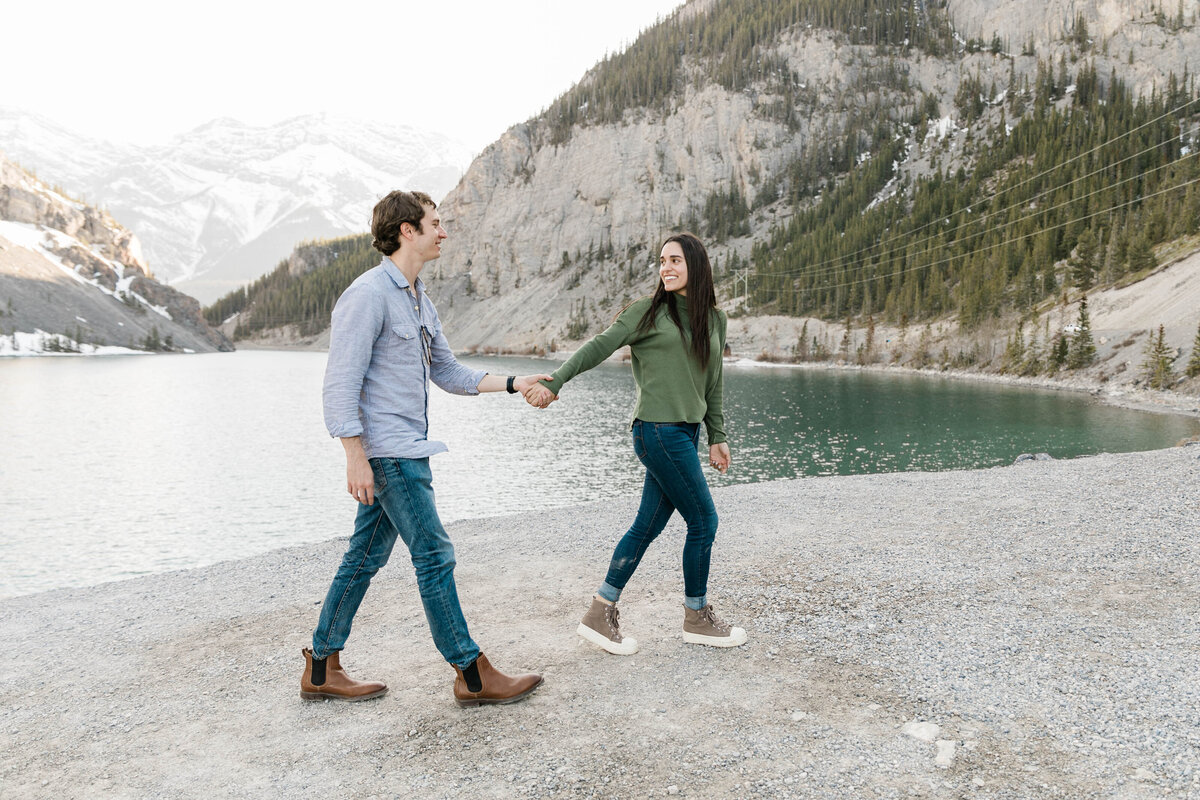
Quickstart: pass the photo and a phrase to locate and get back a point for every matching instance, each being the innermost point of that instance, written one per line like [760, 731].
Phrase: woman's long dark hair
[702, 298]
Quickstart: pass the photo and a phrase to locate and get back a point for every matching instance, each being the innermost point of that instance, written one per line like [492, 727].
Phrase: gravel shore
[1030, 631]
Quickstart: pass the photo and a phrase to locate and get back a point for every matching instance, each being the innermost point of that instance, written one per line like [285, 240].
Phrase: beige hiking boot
[601, 626]
[705, 627]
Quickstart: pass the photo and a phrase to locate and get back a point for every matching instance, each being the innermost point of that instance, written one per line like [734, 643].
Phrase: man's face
[427, 243]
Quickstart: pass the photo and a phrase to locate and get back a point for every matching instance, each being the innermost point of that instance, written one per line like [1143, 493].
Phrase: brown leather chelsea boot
[482, 684]
[324, 679]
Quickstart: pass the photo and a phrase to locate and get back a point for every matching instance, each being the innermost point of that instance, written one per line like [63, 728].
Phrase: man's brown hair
[391, 212]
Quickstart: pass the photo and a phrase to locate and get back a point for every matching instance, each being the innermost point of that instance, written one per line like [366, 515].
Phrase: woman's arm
[622, 332]
[714, 395]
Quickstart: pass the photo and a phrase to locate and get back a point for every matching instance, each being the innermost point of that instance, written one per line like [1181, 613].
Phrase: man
[386, 344]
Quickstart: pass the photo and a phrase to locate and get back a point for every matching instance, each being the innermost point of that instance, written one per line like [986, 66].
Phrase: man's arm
[499, 383]
[356, 321]
[447, 373]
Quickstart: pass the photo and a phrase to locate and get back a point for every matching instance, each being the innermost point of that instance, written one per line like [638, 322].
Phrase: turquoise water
[120, 466]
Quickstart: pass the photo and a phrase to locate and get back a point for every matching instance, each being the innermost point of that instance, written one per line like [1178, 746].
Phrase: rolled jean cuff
[609, 593]
[696, 603]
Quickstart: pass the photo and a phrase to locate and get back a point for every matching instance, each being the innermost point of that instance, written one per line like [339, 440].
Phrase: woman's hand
[718, 456]
[526, 382]
[538, 395]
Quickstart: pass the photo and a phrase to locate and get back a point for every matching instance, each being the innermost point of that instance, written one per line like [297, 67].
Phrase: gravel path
[1030, 631]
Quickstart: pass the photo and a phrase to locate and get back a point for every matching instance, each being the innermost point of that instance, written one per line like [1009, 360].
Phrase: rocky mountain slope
[218, 203]
[73, 279]
[556, 225]
[528, 212]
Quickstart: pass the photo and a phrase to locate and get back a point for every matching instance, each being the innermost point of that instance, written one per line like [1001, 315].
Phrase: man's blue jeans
[403, 506]
[674, 480]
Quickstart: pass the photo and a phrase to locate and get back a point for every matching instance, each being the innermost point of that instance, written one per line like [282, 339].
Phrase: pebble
[925, 731]
[945, 753]
[1026, 615]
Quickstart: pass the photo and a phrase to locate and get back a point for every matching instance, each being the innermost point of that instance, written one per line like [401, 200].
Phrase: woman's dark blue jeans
[674, 480]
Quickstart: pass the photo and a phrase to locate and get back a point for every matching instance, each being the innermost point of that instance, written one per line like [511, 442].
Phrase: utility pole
[743, 276]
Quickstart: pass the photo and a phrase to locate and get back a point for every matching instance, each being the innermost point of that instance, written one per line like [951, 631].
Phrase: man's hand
[360, 478]
[526, 382]
[538, 395]
[718, 456]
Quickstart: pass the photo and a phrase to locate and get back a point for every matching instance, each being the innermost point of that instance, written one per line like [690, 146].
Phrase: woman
[677, 338]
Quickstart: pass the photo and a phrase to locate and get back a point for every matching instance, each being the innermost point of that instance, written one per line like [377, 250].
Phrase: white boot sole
[736, 638]
[625, 647]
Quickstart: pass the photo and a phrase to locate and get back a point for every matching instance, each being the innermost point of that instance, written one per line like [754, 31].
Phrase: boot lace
[613, 617]
[709, 615]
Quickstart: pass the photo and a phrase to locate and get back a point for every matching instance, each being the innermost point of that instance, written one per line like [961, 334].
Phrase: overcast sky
[137, 71]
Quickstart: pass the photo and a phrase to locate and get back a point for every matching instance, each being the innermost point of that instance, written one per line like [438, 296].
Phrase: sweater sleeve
[714, 415]
[622, 332]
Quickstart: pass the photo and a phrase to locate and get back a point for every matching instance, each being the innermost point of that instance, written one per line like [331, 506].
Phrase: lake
[121, 466]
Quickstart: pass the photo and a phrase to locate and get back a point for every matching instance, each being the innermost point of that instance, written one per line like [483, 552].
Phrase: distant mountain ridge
[74, 280]
[219, 204]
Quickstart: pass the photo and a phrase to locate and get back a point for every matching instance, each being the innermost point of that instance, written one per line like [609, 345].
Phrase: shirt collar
[397, 276]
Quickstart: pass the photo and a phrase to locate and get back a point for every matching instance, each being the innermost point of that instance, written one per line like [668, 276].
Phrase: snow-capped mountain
[73, 280]
[223, 203]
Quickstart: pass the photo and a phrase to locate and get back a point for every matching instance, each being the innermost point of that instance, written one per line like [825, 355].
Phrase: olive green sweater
[671, 384]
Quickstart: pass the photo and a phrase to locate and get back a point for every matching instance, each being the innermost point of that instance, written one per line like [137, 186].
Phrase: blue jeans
[674, 480]
[403, 506]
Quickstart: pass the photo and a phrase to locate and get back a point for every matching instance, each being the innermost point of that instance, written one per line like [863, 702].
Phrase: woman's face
[672, 268]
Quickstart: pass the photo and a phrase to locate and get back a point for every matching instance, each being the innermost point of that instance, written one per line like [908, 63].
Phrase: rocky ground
[1020, 632]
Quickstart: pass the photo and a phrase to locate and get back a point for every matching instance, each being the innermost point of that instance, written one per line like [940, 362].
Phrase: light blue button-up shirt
[385, 346]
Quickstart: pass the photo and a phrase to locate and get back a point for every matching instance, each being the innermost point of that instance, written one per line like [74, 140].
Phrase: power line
[803, 271]
[905, 270]
[838, 261]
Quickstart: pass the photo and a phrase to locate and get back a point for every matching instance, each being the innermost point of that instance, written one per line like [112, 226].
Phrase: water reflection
[135, 465]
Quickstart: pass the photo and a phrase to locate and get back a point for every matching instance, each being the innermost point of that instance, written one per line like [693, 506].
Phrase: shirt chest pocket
[410, 340]
[404, 334]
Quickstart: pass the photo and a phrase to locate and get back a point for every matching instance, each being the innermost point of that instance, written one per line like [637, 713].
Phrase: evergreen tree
[1193, 367]
[1083, 263]
[152, 341]
[1157, 366]
[1014, 353]
[1083, 349]
[1141, 256]
[866, 352]
[802, 347]
[1032, 365]
[1058, 353]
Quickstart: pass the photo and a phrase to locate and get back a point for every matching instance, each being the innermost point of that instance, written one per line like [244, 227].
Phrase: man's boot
[482, 684]
[324, 679]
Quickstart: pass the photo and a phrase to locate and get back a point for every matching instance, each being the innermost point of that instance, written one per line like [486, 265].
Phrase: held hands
[535, 393]
[718, 457]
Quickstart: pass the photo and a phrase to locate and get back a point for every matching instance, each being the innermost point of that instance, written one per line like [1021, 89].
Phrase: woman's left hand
[718, 456]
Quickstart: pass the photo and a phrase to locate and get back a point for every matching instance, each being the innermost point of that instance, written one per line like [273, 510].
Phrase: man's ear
[407, 234]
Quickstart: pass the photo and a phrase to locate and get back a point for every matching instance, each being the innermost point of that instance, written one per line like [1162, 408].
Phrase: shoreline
[1115, 394]
[1045, 639]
